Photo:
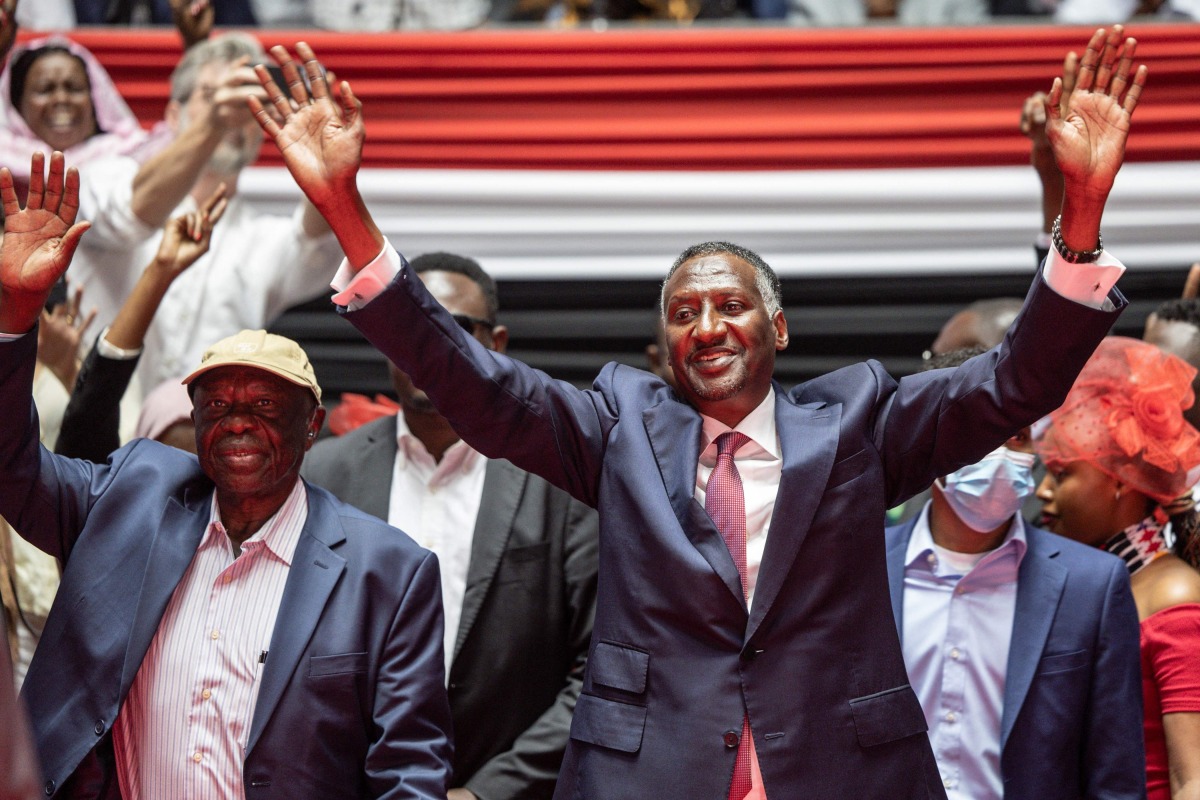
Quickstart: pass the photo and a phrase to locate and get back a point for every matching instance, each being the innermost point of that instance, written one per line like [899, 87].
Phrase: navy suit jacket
[352, 702]
[526, 616]
[1071, 728]
[676, 657]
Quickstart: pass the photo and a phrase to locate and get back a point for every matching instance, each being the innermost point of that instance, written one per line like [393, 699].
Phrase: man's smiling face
[720, 336]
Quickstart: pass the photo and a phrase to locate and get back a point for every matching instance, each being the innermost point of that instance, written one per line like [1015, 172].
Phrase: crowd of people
[384, 15]
[688, 581]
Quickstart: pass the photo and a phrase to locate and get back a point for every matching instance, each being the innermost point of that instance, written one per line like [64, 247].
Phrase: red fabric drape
[702, 99]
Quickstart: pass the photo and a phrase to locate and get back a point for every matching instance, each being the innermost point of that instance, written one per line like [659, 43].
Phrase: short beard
[722, 389]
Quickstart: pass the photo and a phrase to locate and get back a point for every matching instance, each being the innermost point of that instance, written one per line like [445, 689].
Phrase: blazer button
[731, 739]
[750, 653]
[100, 727]
[49, 788]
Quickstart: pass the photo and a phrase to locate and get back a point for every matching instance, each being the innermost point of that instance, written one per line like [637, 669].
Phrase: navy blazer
[352, 702]
[676, 657]
[526, 619]
[1071, 727]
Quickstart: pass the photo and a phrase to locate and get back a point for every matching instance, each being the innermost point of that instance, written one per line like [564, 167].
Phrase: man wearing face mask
[1021, 645]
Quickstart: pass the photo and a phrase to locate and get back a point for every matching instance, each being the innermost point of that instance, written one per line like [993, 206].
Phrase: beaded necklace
[1139, 544]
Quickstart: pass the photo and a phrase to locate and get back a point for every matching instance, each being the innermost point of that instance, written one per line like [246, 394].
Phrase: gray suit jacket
[527, 615]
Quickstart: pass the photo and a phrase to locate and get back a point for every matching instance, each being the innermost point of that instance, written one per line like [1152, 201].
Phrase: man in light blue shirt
[1022, 646]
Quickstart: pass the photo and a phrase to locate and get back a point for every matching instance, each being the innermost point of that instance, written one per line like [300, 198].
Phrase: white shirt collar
[759, 425]
[920, 544]
[459, 457]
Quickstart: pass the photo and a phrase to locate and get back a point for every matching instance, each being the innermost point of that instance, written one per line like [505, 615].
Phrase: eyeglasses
[469, 323]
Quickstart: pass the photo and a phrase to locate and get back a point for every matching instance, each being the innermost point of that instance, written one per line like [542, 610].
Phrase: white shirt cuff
[109, 350]
[11, 337]
[356, 290]
[1086, 284]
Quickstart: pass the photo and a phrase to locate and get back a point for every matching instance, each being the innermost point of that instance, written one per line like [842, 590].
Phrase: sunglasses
[469, 323]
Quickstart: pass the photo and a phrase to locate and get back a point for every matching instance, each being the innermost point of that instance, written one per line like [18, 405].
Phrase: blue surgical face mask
[988, 493]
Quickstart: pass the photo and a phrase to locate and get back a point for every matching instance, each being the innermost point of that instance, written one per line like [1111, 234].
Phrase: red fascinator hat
[1125, 415]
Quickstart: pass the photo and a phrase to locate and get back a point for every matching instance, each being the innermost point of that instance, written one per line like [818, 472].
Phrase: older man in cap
[223, 629]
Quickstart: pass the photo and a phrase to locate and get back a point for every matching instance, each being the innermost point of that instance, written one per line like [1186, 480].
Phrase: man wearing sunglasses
[517, 558]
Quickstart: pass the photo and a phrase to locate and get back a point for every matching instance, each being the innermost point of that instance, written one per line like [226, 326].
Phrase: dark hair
[765, 279]
[952, 358]
[21, 65]
[461, 265]
[1185, 309]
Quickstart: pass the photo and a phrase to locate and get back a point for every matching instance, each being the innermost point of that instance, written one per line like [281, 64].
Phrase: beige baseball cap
[278, 355]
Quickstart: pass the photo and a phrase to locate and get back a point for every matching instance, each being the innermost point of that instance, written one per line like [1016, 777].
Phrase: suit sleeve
[1114, 759]
[530, 767]
[46, 498]
[92, 422]
[409, 759]
[932, 423]
[501, 407]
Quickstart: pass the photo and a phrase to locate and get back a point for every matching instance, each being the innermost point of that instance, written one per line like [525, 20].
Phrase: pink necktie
[726, 505]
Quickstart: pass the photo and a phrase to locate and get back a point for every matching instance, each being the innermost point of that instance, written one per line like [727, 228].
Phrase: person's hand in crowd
[1041, 154]
[8, 26]
[193, 20]
[63, 328]
[39, 240]
[185, 239]
[237, 84]
[1191, 286]
[188, 236]
[461, 794]
[1088, 129]
[321, 142]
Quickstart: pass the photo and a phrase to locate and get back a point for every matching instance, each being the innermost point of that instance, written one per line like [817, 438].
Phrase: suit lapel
[370, 489]
[1040, 582]
[314, 572]
[179, 533]
[674, 429]
[503, 486]
[897, 546]
[808, 435]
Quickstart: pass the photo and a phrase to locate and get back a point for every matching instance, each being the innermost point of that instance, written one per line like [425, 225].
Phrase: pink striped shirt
[183, 729]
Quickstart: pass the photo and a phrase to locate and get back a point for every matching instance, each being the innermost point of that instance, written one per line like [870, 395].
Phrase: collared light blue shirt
[957, 629]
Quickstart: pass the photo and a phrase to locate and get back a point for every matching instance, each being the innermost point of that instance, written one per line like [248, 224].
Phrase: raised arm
[91, 424]
[1087, 131]
[39, 240]
[321, 143]
[1041, 154]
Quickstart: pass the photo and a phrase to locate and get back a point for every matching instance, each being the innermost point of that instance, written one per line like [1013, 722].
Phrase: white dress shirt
[958, 622]
[256, 268]
[183, 729]
[436, 503]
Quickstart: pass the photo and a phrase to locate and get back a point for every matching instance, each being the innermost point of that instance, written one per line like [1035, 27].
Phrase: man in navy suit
[222, 628]
[686, 655]
[1022, 645]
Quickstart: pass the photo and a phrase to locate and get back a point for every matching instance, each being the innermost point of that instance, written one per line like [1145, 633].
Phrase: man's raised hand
[39, 240]
[320, 139]
[1087, 127]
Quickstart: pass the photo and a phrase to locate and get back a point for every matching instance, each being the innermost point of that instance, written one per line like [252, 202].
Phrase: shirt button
[931, 558]
[954, 654]
[215, 634]
[206, 694]
[197, 757]
[731, 739]
[951, 716]
[949, 784]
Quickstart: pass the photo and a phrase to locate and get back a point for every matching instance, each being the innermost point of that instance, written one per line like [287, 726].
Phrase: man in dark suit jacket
[156, 546]
[525, 618]
[680, 659]
[1023, 646]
